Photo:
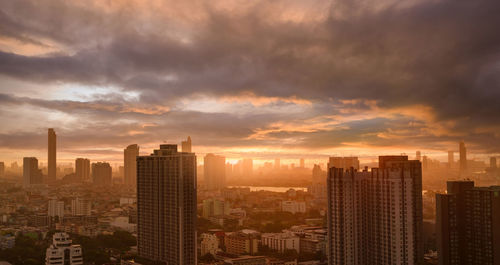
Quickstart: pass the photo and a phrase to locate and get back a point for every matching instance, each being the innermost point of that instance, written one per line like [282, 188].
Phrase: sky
[260, 79]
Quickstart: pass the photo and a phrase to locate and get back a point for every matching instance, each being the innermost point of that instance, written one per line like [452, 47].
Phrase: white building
[209, 244]
[62, 251]
[293, 207]
[81, 207]
[281, 241]
[56, 208]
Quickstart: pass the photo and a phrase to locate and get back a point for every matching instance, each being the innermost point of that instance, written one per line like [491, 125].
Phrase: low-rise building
[62, 251]
[293, 206]
[281, 241]
[242, 242]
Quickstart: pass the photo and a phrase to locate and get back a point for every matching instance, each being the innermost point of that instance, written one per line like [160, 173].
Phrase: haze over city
[230, 132]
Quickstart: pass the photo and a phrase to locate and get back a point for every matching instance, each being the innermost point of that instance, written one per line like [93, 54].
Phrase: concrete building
[55, 208]
[101, 174]
[343, 162]
[451, 159]
[215, 207]
[281, 241]
[468, 224]
[82, 169]
[52, 164]
[242, 242]
[209, 244]
[166, 206]
[81, 207]
[214, 170]
[31, 174]
[376, 217]
[62, 251]
[293, 206]
[130, 155]
[186, 145]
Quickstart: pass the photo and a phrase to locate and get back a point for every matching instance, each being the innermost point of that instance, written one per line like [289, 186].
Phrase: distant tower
[31, 173]
[493, 162]
[451, 159]
[214, 171]
[463, 157]
[130, 155]
[51, 176]
[247, 167]
[418, 156]
[82, 169]
[302, 164]
[277, 163]
[186, 145]
[101, 174]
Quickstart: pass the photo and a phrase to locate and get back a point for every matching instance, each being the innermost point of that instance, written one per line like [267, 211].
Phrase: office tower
[277, 163]
[130, 155]
[82, 169]
[463, 157]
[375, 217]
[31, 174]
[418, 156]
[186, 145]
[101, 174]
[343, 162]
[451, 159]
[55, 208]
[81, 207]
[166, 206]
[51, 176]
[302, 164]
[2, 169]
[62, 251]
[214, 171]
[468, 224]
[425, 163]
[247, 167]
[493, 162]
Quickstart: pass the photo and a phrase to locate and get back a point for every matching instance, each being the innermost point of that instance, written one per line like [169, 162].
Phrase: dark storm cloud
[442, 54]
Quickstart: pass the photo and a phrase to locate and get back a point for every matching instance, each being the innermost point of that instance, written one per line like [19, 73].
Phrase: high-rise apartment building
[166, 206]
[52, 168]
[343, 162]
[375, 217]
[186, 145]
[101, 174]
[31, 174]
[215, 207]
[463, 157]
[81, 207]
[451, 159]
[62, 251]
[55, 208]
[82, 170]
[130, 155]
[468, 224]
[214, 171]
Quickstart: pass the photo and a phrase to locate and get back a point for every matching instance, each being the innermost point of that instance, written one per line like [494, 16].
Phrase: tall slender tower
[186, 145]
[51, 176]
[166, 206]
[130, 155]
[463, 157]
[451, 159]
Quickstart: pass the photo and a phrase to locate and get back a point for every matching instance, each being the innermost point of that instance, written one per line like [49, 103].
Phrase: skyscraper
[451, 159]
[186, 145]
[52, 168]
[214, 171]
[468, 224]
[82, 169]
[31, 174]
[376, 217]
[166, 206]
[101, 174]
[130, 155]
[463, 157]
[343, 162]
[418, 155]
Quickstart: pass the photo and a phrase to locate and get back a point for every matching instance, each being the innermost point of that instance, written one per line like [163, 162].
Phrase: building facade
[82, 169]
[101, 174]
[281, 241]
[62, 251]
[31, 174]
[166, 206]
[52, 154]
[376, 217]
[130, 155]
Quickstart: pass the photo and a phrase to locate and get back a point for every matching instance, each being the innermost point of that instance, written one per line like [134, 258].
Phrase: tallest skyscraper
[51, 177]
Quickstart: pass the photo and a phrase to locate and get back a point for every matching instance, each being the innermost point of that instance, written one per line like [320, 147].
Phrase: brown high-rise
[166, 206]
[468, 224]
[130, 164]
[52, 168]
[463, 158]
